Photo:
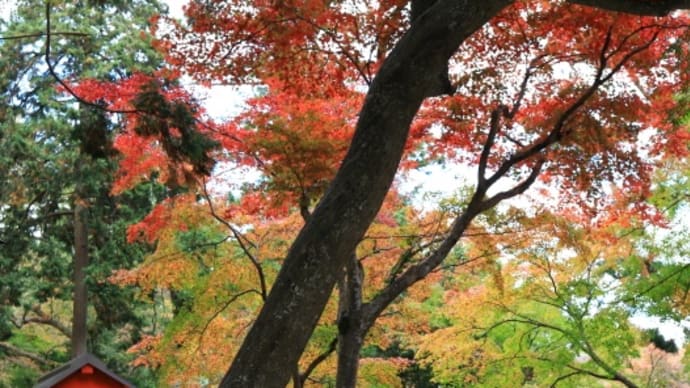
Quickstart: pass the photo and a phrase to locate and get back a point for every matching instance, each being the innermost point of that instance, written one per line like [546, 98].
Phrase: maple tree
[510, 130]
[555, 91]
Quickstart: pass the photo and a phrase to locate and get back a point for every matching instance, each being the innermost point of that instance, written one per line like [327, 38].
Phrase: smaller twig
[39, 34]
[53, 73]
[318, 360]
[241, 241]
[221, 309]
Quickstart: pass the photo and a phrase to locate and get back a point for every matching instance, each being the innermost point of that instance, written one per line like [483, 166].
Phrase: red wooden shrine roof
[85, 371]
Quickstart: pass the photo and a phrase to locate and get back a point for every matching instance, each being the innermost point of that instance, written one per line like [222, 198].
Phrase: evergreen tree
[57, 157]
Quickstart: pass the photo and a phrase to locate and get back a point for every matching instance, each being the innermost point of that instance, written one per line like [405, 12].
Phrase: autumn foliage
[577, 101]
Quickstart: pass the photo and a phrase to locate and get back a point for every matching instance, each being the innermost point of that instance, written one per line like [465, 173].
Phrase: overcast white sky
[176, 7]
[5, 8]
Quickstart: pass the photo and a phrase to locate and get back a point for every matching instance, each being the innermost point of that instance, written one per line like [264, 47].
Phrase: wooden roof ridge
[61, 372]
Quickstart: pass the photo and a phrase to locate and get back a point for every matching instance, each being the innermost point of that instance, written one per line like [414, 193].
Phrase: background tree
[544, 318]
[558, 312]
[58, 157]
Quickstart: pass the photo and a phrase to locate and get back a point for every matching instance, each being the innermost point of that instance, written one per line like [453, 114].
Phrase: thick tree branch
[407, 256]
[516, 190]
[494, 127]
[637, 7]
[304, 202]
[43, 318]
[372, 309]
[558, 130]
[616, 375]
[476, 205]
[441, 84]
[578, 337]
[350, 331]
[563, 378]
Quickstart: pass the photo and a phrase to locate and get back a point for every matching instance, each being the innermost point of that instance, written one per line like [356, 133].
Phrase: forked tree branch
[478, 204]
[43, 318]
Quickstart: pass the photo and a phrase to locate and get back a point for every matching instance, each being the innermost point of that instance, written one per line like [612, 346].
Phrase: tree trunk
[81, 261]
[408, 75]
[350, 331]
[349, 347]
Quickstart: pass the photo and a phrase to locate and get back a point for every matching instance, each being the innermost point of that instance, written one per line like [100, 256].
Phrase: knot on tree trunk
[343, 324]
